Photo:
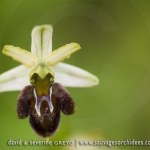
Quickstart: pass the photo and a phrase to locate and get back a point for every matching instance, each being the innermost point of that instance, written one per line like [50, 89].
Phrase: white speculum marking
[50, 101]
[38, 101]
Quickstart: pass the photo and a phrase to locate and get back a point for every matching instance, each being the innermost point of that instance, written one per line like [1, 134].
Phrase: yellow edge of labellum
[47, 138]
[62, 53]
[23, 56]
[75, 108]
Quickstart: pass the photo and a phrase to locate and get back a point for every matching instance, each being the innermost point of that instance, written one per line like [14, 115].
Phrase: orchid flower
[41, 78]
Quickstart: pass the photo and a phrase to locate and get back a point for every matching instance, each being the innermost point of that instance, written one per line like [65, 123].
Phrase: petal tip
[96, 81]
[38, 28]
[4, 50]
[92, 80]
[76, 45]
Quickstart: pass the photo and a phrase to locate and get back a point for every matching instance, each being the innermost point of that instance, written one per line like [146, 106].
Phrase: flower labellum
[44, 111]
[41, 80]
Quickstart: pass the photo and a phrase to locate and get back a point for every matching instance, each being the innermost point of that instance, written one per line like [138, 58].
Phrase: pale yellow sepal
[23, 56]
[41, 41]
[61, 53]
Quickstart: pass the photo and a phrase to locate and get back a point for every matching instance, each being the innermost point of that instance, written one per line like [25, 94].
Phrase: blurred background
[115, 41]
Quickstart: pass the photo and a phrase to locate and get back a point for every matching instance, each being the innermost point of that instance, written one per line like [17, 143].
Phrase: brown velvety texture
[47, 123]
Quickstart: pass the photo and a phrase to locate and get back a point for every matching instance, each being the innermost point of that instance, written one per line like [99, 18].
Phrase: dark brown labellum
[47, 121]
[67, 105]
[23, 102]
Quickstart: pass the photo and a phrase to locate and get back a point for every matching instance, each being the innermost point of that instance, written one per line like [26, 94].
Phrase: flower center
[42, 78]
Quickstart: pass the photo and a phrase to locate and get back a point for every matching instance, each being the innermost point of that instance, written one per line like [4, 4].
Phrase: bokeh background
[115, 40]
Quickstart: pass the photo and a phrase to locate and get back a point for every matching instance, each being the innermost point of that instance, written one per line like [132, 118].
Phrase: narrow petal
[42, 41]
[26, 58]
[72, 76]
[14, 79]
[61, 53]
